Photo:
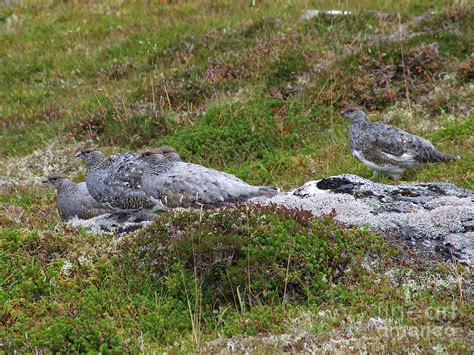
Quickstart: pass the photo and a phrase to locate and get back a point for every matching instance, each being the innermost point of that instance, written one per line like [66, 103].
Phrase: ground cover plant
[255, 91]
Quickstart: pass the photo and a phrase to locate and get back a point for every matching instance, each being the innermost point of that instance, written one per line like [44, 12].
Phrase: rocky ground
[435, 217]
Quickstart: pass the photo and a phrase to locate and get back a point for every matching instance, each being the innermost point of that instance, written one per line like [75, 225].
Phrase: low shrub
[251, 254]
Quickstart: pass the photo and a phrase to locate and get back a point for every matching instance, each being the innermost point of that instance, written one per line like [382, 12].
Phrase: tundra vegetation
[255, 91]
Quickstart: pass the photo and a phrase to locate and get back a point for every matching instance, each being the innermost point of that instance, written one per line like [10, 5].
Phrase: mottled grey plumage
[388, 149]
[74, 200]
[126, 167]
[116, 181]
[129, 167]
[169, 152]
[180, 184]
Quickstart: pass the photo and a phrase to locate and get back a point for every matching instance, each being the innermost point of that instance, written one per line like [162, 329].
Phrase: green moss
[86, 310]
[455, 132]
[285, 68]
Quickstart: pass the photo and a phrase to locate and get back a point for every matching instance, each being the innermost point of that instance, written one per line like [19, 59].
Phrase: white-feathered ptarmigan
[180, 184]
[388, 149]
[115, 182]
[74, 200]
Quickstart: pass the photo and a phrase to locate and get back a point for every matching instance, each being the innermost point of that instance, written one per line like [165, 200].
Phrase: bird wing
[93, 212]
[114, 191]
[398, 145]
[187, 185]
[127, 169]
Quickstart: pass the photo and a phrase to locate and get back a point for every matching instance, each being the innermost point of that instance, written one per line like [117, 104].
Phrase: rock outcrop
[434, 217]
[117, 224]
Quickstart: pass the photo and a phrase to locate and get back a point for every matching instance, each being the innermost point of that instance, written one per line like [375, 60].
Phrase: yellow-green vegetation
[255, 91]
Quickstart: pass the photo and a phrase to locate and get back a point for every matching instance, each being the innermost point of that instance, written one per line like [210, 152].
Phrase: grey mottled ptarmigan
[129, 167]
[388, 149]
[180, 184]
[74, 200]
[169, 152]
[116, 181]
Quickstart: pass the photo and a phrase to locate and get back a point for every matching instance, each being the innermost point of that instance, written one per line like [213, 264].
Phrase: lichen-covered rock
[118, 224]
[435, 217]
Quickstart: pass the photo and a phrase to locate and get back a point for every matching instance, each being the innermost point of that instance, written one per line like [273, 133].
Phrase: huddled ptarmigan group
[158, 180]
[146, 182]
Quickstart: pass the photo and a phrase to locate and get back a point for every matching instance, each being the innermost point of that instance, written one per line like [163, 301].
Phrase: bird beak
[44, 181]
[78, 154]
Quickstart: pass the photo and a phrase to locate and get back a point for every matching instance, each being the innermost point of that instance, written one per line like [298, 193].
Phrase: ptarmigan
[129, 167]
[169, 152]
[74, 200]
[116, 181]
[180, 184]
[388, 149]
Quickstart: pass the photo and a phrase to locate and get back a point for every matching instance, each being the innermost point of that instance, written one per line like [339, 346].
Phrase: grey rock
[433, 217]
[117, 224]
[388, 149]
[74, 200]
[312, 13]
[423, 17]
[180, 184]
[461, 246]
[376, 323]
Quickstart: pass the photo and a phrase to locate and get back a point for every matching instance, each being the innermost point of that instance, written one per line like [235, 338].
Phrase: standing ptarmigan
[116, 181]
[180, 184]
[74, 200]
[388, 149]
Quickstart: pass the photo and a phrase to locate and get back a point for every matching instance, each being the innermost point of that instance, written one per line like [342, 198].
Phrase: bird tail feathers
[445, 157]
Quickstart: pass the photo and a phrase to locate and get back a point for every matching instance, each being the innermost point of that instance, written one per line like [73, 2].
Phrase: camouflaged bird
[115, 182]
[129, 167]
[180, 184]
[169, 152]
[126, 167]
[74, 200]
[388, 149]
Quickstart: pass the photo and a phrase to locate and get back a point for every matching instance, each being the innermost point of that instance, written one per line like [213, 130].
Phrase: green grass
[252, 91]
[239, 272]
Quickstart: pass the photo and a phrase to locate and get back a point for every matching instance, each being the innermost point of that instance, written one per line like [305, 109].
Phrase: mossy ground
[255, 92]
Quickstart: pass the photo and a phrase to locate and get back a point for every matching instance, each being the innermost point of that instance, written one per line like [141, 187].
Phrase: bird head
[90, 155]
[168, 152]
[153, 157]
[354, 115]
[58, 181]
[156, 161]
